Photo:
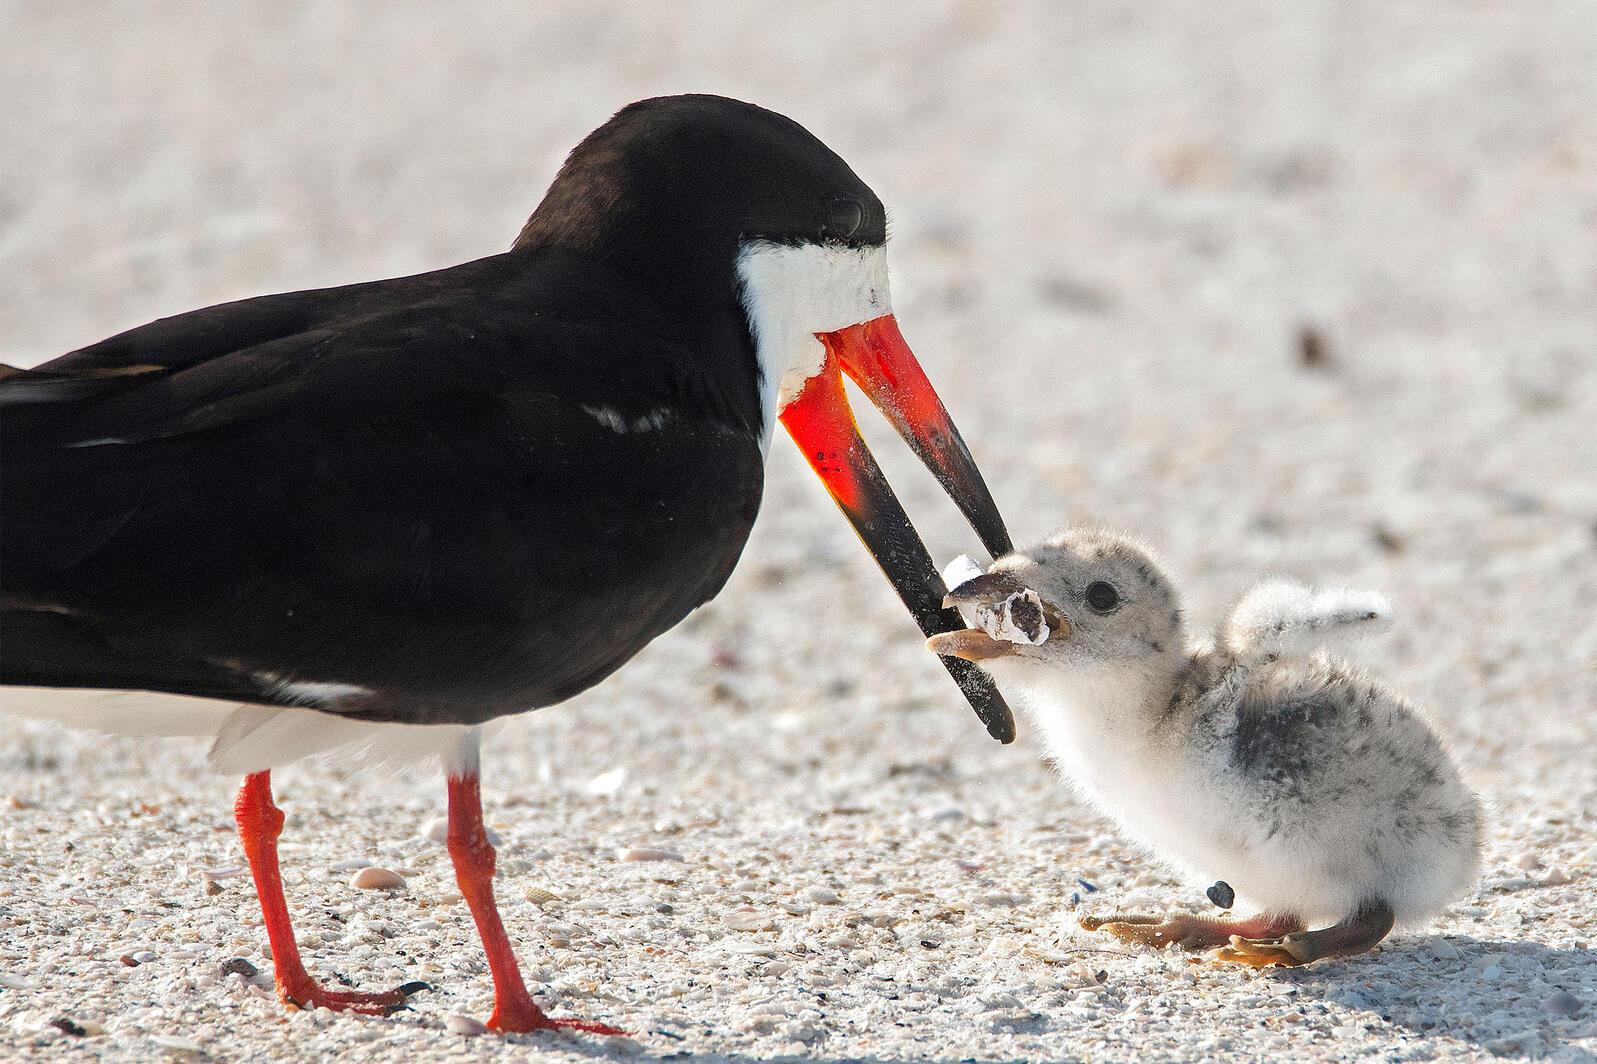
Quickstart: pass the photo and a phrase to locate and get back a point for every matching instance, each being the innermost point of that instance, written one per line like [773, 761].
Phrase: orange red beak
[875, 355]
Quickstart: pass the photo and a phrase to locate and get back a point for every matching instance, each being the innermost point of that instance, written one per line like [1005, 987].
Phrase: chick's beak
[820, 421]
[971, 644]
[997, 589]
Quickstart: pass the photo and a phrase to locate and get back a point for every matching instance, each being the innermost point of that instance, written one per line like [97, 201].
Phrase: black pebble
[1222, 894]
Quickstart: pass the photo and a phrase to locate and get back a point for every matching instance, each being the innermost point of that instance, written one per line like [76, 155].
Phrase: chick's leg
[1356, 934]
[1191, 932]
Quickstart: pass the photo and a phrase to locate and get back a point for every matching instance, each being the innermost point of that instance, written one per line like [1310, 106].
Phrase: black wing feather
[399, 485]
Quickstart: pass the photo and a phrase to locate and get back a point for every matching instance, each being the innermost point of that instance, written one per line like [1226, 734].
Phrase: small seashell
[1555, 877]
[746, 919]
[607, 784]
[959, 570]
[465, 1026]
[436, 830]
[1018, 619]
[539, 896]
[374, 878]
[823, 896]
[644, 853]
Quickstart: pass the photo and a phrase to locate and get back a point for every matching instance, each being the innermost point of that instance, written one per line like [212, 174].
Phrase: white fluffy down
[1182, 803]
[1285, 617]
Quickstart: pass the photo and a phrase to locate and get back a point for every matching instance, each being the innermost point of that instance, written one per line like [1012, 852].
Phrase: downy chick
[1255, 758]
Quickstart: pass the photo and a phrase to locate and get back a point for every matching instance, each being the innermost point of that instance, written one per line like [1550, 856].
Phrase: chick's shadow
[1491, 994]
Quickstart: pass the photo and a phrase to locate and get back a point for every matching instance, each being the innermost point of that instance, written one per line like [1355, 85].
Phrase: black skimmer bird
[1255, 758]
[436, 500]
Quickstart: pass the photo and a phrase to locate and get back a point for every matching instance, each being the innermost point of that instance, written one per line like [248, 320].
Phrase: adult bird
[436, 500]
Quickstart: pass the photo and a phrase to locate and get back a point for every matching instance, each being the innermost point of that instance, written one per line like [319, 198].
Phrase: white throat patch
[790, 294]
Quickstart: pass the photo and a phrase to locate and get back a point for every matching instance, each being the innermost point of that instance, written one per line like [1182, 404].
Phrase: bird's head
[1084, 599]
[723, 211]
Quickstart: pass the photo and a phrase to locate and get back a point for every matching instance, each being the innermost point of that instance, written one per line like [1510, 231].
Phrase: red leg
[259, 824]
[473, 855]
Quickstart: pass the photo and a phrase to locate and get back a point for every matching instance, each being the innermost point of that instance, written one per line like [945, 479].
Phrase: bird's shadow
[1491, 994]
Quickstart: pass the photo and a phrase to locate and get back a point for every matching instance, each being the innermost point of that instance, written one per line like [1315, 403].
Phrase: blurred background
[1303, 288]
[1310, 288]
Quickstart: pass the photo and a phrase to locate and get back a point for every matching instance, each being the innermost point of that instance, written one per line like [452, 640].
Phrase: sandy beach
[1303, 289]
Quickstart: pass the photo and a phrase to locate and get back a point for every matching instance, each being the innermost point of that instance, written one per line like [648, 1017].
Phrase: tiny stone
[1525, 1043]
[1312, 352]
[240, 966]
[1562, 1003]
[620, 1043]
[464, 1026]
[212, 887]
[177, 1045]
[1222, 895]
[1388, 540]
[374, 878]
[1443, 950]
[803, 1032]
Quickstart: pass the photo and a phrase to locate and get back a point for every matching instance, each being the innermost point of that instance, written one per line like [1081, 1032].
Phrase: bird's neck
[1102, 726]
[1089, 714]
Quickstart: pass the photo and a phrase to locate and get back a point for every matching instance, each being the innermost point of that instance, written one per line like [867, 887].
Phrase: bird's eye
[1102, 597]
[844, 218]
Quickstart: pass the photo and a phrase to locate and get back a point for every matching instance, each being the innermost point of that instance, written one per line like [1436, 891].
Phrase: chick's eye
[844, 218]
[1102, 596]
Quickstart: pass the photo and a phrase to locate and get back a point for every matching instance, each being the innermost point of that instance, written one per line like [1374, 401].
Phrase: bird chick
[1255, 758]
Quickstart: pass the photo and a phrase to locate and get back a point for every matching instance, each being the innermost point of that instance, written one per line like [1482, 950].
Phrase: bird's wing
[1282, 617]
[398, 496]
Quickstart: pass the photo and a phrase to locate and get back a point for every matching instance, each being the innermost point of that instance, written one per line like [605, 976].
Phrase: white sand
[1112, 221]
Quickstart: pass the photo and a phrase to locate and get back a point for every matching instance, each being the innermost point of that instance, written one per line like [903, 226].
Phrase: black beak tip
[990, 707]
